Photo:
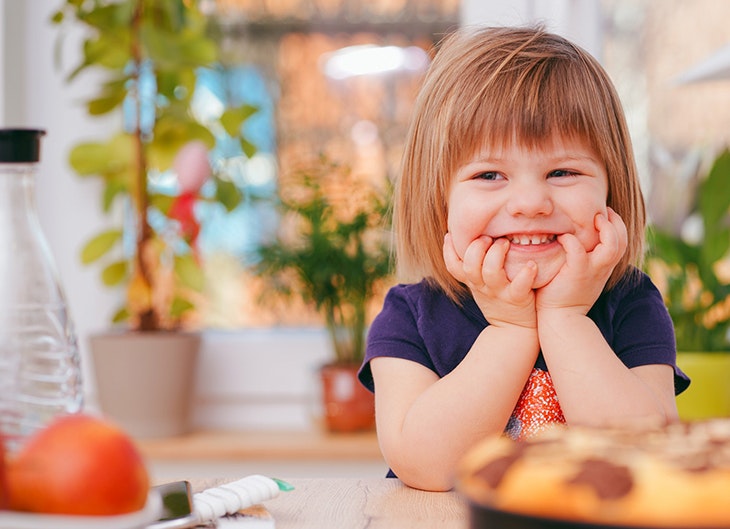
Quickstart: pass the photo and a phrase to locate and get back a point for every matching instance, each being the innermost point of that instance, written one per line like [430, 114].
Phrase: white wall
[578, 20]
[247, 379]
[35, 95]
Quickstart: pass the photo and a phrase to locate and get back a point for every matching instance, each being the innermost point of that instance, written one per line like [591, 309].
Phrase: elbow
[424, 477]
[429, 485]
[419, 466]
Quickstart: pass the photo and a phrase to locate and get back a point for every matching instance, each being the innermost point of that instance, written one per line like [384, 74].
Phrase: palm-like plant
[332, 250]
[697, 294]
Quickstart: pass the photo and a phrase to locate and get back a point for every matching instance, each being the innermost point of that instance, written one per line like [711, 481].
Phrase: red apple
[78, 464]
[3, 480]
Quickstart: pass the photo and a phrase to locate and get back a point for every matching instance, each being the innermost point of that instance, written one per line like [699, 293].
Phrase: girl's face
[529, 196]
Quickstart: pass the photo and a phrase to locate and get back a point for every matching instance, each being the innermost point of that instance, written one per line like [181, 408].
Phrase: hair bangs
[554, 97]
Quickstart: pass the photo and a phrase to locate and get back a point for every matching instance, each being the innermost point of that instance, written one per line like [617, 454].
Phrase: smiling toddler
[519, 225]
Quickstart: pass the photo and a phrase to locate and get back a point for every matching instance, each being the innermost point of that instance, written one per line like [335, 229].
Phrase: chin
[546, 271]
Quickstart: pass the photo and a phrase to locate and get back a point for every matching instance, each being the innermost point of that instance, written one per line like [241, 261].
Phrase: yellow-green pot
[709, 393]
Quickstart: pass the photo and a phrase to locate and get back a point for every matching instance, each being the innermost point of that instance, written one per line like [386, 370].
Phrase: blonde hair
[491, 86]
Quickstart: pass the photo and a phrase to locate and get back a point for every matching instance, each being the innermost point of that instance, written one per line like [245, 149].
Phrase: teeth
[527, 240]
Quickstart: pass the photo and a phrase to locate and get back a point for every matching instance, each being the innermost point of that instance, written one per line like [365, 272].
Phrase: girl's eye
[562, 172]
[488, 175]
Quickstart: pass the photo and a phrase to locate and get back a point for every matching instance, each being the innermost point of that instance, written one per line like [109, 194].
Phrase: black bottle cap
[20, 145]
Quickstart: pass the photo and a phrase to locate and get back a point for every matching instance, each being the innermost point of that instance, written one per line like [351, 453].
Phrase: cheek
[468, 216]
[463, 229]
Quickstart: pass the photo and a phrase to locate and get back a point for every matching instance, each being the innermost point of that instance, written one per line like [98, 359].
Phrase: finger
[572, 246]
[493, 265]
[452, 261]
[618, 223]
[523, 281]
[607, 238]
[613, 238]
[474, 259]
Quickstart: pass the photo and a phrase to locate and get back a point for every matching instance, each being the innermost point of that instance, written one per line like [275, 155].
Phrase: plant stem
[148, 318]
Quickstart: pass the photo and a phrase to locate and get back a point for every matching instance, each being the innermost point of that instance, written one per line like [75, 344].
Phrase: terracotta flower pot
[348, 406]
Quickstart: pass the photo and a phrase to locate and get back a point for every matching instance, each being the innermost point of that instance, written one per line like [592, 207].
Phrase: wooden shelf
[256, 445]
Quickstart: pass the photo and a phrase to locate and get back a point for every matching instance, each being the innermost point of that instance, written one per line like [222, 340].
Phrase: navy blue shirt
[419, 322]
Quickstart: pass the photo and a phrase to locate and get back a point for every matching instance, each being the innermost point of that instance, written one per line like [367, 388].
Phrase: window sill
[215, 445]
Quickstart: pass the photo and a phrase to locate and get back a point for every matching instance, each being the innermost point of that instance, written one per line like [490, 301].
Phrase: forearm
[593, 385]
[424, 440]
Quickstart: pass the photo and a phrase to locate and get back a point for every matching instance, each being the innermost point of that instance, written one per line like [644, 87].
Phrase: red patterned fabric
[536, 408]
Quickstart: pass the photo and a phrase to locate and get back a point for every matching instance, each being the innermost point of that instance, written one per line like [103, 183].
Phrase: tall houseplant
[692, 273]
[332, 252]
[148, 52]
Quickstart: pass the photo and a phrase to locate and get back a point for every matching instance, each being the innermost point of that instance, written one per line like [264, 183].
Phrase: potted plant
[149, 52]
[692, 272]
[332, 251]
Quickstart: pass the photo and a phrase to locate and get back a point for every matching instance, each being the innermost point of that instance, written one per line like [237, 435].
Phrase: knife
[183, 509]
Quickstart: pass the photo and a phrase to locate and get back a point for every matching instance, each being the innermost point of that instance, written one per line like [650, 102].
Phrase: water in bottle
[40, 372]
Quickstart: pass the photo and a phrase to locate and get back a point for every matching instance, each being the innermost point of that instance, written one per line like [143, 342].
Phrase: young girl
[519, 215]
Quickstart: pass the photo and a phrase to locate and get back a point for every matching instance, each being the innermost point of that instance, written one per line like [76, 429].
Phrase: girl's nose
[530, 200]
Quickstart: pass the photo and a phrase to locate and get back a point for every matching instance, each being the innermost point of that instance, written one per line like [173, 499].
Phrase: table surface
[351, 503]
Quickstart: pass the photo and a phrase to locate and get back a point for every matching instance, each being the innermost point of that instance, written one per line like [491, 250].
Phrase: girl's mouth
[531, 239]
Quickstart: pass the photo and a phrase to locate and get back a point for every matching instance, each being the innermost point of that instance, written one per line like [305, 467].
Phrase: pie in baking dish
[677, 476]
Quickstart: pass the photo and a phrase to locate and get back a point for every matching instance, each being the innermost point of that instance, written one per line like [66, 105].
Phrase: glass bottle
[40, 371]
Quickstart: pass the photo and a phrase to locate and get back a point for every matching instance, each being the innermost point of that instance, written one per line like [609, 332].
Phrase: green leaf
[103, 105]
[76, 71]
[113, 189]
[170, 136]
[176, 84]
[114, 274]
[228, 194]
[161, 202]
[669, 248]
[109, 50]
[233, 118]
[189, 272]
[121, 315]
[57, 17]
[113, 94]
[109, 15]
[249, 149]
[94, 158]
[180, 306]
[179, 49]
[100, 245]
[714, 198]
[715, 245]
[89, 158]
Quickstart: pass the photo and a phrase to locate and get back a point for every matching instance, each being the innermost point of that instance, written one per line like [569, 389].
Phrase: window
[276, 50]
[676, 127]
[329, 77]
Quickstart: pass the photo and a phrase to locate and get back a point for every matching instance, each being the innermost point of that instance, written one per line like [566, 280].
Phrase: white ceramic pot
[145, 380]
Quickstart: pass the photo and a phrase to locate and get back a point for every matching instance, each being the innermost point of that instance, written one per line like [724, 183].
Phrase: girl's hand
[482, 270]
[581, 279]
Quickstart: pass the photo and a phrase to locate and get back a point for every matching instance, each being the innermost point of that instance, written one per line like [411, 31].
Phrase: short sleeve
[394, 333]
[643, 332]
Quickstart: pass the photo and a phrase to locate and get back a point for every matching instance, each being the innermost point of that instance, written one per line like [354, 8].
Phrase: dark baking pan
[481, 517]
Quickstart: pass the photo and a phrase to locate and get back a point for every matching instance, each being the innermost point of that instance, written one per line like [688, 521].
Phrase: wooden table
[351, 503]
